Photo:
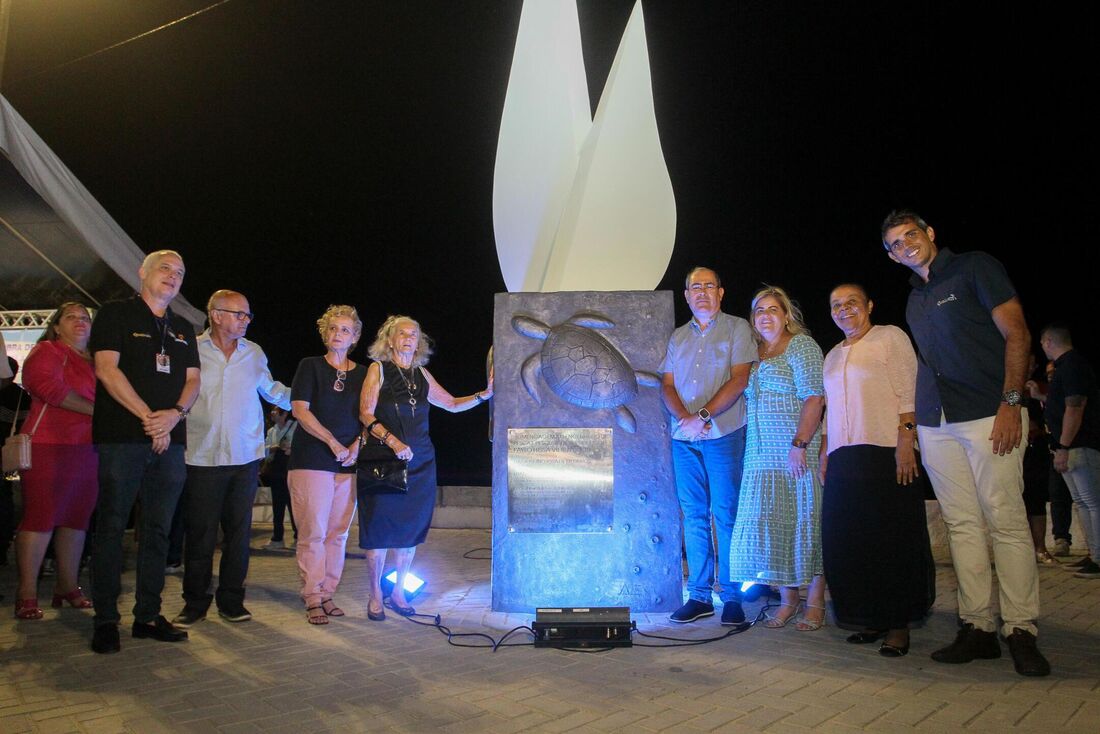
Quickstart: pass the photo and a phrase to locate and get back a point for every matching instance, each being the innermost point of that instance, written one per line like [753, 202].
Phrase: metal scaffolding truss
[25, 319]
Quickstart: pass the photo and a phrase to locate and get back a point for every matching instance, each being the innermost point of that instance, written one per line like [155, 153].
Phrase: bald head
[229, 315]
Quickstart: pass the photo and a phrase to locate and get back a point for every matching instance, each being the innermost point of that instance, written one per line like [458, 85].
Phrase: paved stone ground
[278, 674]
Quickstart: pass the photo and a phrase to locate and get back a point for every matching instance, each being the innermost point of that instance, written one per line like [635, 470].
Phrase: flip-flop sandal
[321, 618]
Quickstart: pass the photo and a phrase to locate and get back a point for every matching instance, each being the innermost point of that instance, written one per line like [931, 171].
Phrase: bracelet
[374, 423]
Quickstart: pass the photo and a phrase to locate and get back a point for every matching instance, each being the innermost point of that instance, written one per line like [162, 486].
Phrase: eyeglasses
[341, 375]
[241, 315]
[698, 287]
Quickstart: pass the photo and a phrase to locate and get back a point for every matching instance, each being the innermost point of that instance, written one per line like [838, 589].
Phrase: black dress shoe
[970, 644]
[105, 639]
[691, 611]
[379, 617]
[866, 636]
[732, 614]
[161, 630]
[1025, 654]
[403, 611]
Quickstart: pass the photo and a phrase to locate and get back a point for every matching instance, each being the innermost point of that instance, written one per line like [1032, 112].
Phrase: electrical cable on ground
[493, 644]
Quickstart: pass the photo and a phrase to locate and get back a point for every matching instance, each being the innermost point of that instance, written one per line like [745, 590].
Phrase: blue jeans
[213, 496]
[1083, 480]
[130, 471]
[708, 479]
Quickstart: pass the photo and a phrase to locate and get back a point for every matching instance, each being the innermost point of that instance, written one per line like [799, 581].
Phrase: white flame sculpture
[579, 203]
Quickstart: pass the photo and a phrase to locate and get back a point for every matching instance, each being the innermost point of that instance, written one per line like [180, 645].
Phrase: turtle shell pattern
[584, 369]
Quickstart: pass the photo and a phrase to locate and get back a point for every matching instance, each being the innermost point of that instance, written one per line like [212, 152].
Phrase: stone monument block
[584, 505]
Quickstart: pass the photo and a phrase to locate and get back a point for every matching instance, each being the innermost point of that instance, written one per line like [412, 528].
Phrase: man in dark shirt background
[1073, 416]
[147, 371]
[974, 348]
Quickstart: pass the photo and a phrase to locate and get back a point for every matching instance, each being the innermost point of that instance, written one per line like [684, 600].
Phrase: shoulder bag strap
[15, 415]
[45, 405]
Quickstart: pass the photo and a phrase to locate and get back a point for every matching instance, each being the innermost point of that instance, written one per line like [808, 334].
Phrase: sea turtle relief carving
[581, 366]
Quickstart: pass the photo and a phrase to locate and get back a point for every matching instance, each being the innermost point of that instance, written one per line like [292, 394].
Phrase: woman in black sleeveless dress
[397, 394]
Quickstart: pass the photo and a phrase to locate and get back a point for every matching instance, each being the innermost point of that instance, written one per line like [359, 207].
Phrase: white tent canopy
[56, 242]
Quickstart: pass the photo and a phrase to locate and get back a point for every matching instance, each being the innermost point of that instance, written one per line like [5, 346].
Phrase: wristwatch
[909, 426]
[1058, 447]
[799, 444]
[1012, 397]
[704, 415]
[184, 412]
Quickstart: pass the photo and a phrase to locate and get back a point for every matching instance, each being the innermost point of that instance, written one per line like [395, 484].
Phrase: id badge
[164, 364]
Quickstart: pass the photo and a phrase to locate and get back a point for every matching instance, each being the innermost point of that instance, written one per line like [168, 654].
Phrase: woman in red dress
[59, 491]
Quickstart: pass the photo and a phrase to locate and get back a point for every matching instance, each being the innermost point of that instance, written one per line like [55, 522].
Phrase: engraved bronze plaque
[560, 480]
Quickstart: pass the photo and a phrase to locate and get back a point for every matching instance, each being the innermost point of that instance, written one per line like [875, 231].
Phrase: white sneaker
[275, 545]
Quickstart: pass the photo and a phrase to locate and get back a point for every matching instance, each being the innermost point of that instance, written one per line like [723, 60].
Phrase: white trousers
[981, 497]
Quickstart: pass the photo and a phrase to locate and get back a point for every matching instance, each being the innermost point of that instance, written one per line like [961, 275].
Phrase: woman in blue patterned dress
[777, 534]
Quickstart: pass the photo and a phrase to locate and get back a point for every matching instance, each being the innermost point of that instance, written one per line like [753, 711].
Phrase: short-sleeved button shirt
[1073, 375]
[700, 363]
[960, 370]
[131, 329]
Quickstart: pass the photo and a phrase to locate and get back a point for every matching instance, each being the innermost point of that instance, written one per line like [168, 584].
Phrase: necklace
[410, 384]
[770, 351]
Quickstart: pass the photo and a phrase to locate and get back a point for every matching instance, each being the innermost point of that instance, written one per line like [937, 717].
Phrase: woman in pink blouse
[873, 532]
[59, 491]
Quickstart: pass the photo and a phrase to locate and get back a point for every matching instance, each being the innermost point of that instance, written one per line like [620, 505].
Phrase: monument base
[584, 505]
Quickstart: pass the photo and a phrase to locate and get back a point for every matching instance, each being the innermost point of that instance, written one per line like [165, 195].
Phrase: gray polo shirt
[700, 363]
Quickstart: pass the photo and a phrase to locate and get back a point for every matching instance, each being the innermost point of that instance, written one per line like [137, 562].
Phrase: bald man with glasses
[225, 445]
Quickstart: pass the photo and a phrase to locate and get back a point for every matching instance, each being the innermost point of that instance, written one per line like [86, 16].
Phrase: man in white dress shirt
[225, 445]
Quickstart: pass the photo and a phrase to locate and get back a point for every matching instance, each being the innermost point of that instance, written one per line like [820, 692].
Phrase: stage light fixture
[413, 583]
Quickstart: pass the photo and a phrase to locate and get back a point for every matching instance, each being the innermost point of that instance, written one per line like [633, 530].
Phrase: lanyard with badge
[164, 363]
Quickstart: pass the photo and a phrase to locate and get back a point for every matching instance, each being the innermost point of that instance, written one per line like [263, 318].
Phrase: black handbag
[379, 471]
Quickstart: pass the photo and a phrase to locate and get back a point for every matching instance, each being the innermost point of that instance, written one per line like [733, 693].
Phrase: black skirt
[874, 536]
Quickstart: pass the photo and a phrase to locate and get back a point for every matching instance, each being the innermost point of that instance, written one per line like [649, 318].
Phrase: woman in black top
[394, 408]
[324, 400]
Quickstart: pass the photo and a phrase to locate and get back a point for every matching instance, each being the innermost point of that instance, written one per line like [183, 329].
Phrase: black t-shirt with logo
[139, 336]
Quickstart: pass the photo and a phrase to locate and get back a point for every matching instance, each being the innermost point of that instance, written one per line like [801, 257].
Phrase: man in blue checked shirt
[705, 371]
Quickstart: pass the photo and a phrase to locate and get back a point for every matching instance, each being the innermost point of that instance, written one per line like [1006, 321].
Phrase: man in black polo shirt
[1073, 416]
[974, 345]
[147, 367]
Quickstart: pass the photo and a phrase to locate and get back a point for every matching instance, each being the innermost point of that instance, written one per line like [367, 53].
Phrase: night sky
[308, 153]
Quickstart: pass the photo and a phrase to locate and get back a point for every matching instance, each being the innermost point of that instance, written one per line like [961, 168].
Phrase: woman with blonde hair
[324, 399]
[397, 394]
[777, 534]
